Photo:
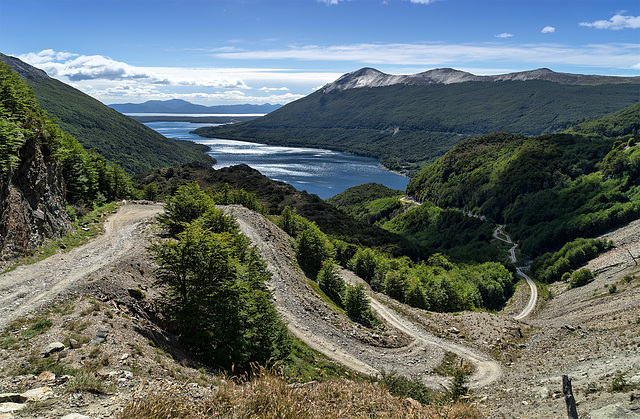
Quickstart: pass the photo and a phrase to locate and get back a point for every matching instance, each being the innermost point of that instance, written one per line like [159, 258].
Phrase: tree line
[434, 284]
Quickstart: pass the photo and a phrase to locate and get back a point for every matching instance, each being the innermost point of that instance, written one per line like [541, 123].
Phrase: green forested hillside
[120, 139]
[409, 126]
[371, 202]
[624, 122]
[89, 178]
[548, 189]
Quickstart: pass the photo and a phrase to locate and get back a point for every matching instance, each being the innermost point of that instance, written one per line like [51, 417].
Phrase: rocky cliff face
[32, 203]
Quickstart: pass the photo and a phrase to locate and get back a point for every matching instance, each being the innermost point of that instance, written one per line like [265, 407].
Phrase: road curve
[499, 234]
[309, 318]
[532, 299]
[29, 287]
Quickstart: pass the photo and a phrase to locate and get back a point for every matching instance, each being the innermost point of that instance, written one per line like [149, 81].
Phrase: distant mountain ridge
[370, 77]
[409, 121]
[182, 106]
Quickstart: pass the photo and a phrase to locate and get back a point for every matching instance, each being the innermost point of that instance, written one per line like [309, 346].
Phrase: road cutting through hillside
[312, 320]
[499, 234]
[31, 287]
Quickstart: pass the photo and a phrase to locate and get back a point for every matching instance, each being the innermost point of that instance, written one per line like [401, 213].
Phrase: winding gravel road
[30, 287]
[310, 319]
[499, 234]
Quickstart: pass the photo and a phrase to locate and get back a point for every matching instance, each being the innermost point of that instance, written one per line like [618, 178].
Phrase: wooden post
[634, 259]
[572, 412]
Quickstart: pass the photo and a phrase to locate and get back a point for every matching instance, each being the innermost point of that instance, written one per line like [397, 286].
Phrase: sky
[215, 52]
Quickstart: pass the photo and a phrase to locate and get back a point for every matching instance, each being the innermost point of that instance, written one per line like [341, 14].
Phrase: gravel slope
[311, 319]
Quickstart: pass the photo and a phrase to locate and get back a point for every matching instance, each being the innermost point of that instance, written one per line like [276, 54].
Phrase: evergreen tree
[312, 248]
[218, 298]
[357, 305]
[331, 282]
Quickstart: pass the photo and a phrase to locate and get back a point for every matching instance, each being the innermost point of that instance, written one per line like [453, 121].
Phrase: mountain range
[182, 106]
[370, 77]
[409, 121]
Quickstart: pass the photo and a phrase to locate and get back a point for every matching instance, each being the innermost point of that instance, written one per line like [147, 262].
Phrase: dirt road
[30, 287]
[499, 234]
[310, 319]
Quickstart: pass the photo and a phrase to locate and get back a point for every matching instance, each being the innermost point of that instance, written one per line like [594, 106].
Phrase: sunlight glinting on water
[318, 171]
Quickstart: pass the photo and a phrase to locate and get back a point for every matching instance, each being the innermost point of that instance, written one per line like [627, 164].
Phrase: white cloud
[636, 66]
[97, 67]
[434, 54]
[274, 89]
[548, 29]
[423, 1]
[504, 35]
[617, 22]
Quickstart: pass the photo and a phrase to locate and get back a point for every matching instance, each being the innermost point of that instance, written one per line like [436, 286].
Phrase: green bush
[580, 278]
[357, 305]
[218, 298]
[331, 282]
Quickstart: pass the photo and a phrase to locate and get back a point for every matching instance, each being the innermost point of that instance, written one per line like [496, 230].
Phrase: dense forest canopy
[89, 177]
[548, 189]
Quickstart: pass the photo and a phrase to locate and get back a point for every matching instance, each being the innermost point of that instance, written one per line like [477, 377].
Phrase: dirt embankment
[30, 287]
[313, 321]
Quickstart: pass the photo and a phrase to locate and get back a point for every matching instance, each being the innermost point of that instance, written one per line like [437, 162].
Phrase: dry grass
[268, 395]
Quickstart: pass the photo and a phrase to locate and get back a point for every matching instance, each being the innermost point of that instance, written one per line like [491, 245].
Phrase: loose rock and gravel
[103, 307]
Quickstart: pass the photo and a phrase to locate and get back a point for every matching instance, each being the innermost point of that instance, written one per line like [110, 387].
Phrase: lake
[321, 172]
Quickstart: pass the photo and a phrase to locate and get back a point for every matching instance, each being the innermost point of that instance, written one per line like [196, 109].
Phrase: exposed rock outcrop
[32, 203]
[370, 77]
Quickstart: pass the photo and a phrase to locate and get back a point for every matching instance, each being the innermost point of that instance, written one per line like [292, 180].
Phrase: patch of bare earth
[591, 334]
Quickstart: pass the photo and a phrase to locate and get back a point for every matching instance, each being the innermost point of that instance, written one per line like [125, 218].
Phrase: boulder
[614, 411]
[53, 348]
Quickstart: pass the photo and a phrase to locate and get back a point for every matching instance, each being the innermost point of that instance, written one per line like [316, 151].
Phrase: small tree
[364, 263]
[458, 387]
[187, 204]
[287, 221]
[331, 282]
[357, 305]
[396, 285]
[415, 295]
[312, 249]
[580, 278]
[218, 299]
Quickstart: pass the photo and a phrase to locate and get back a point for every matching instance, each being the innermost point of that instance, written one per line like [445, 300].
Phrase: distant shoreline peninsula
[226, 119]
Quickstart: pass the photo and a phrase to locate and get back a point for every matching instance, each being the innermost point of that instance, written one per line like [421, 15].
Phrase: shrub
[331, 282]
[357, 305]
[580, 278]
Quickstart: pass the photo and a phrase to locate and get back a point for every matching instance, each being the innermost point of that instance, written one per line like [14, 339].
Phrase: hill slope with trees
[118, 138]
[548, 189]
[408, 126]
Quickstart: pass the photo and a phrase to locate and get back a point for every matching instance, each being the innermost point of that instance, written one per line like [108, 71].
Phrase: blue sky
[257, 51]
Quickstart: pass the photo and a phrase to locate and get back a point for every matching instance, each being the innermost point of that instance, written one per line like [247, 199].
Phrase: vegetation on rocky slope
[548, 189]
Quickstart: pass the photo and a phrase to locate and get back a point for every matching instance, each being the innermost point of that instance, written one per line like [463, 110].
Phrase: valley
[512, 376]
[201, 274]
